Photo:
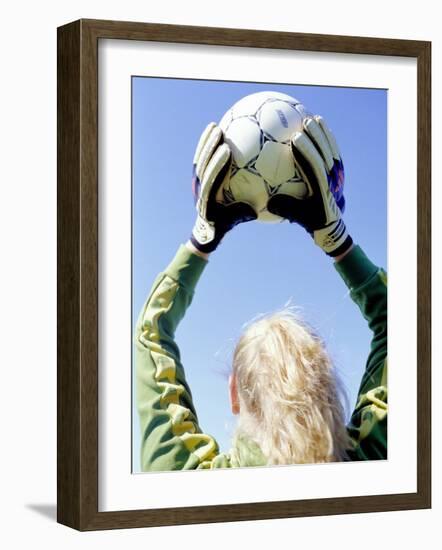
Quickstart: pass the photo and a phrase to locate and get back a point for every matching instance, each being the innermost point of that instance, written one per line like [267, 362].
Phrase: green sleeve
[368, 289]
[171, 438]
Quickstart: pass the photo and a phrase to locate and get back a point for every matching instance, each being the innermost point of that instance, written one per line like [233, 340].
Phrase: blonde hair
[289, 392]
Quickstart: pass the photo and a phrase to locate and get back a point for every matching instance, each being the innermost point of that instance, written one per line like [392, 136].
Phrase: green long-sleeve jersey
[171, 438]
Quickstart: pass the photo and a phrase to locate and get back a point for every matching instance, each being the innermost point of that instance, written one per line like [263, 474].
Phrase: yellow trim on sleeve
[383, 276]
[199, 444]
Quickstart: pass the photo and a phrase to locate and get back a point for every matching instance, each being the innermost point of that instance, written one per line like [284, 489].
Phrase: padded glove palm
[211, 167]
[317, 158]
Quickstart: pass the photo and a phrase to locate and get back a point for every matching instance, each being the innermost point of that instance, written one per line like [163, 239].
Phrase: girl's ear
[233, 390]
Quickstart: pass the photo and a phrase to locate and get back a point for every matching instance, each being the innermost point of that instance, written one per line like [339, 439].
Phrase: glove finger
[311, 166]
[201, 142]
[330, 137]
[209, 141]
[214, 175]
[310, 163]
[198, 164]
[318, 137]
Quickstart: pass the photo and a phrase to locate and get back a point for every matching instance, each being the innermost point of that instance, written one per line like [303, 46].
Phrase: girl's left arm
[171, 438]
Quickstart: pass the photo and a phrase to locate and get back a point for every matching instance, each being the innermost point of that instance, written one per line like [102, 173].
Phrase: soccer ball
[258, 129]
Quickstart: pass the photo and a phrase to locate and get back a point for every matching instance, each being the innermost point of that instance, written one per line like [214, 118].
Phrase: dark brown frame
[77, 225]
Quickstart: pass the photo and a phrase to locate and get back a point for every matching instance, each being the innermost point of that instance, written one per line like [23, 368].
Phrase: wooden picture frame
[77, 225]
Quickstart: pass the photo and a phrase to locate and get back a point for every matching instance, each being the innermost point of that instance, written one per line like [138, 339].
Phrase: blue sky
[259, 267]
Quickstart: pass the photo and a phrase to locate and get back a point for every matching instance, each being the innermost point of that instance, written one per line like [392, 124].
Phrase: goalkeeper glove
[317, 158]
[211, 169]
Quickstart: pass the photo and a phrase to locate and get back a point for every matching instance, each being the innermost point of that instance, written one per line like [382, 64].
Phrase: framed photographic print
[229, 205]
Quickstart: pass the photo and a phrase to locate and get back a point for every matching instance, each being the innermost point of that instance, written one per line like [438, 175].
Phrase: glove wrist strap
[203, 236]
[333, 239]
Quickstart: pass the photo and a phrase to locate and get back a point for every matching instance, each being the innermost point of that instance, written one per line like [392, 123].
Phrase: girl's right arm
[368, 289]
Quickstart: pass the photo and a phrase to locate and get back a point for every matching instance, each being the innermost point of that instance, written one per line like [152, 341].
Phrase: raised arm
[171, 438]
[368, 289]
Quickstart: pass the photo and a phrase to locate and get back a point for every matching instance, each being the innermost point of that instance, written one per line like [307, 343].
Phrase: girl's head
[285, 389]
